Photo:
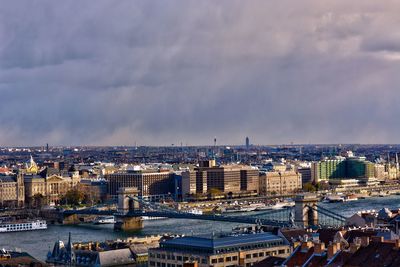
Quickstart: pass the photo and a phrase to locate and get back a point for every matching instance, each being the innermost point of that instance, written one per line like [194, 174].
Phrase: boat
[351, 198]
[194, 211]
[104, 220]
[333, 199]
[23, 226]
[282, 204]
[148, 218]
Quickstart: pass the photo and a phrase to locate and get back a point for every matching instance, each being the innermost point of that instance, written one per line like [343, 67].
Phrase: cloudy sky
[163, 72]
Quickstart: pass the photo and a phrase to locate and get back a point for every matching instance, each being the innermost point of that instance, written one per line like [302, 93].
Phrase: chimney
[364, 241]
[377, 239]
[319, 248]
[397, 243]
[332, 249]
[305, 246]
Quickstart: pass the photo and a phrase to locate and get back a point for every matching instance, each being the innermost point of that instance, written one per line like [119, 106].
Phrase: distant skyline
[164, 72]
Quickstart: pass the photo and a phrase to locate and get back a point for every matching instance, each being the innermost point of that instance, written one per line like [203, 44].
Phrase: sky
[165, 72]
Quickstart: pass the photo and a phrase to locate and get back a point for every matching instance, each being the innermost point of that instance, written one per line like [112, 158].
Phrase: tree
[38, 200]
[309, 187]
[73, 197]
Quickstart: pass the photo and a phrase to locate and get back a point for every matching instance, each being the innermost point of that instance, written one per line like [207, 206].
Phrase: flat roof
[222, 242]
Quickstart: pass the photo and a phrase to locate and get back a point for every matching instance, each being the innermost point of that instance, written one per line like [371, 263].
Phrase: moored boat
[23, 226]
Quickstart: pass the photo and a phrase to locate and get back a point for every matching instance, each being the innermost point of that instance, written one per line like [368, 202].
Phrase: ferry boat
[23, 226]
[104, 220]
[333, 199]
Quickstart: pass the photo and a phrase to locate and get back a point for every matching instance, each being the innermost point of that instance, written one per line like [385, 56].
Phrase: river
[38, 243]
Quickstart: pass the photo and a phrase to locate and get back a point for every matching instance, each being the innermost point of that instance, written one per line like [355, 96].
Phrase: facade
[50, 185]
[12, 191]
[280, 183]
[152, 185]
[305, 174]
[224, 179]
[342, 168]
[228, 250]
[131, 252]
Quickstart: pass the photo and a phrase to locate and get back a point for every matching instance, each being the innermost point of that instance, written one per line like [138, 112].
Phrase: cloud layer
[163, 72]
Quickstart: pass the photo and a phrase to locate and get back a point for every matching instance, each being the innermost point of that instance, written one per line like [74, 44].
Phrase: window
[248, 256]
[214, 261]
[179, 258]
[228, 258]
[234, 258]
[152, 263]
[221, 260]
[261, 254]
[281, 251]
[185, 258]
[255, 255]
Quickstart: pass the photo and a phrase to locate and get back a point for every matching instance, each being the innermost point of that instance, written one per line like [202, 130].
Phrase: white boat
[194, 211]
[23, 226]
[147, 218]
[104, 220]
[333, 199]
[351, 198]
[283, 204]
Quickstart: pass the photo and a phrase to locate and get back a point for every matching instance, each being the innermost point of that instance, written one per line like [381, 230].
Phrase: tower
[247, 143]
[306, 214]
[20, 190]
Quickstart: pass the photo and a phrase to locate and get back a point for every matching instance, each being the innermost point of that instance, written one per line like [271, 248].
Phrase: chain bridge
[131, 209]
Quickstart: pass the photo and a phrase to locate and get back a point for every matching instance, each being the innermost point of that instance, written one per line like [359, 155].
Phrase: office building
[342, 168]
[151, 184]
[305, 174]
[218, 251]
[280, 183]
[230, 179]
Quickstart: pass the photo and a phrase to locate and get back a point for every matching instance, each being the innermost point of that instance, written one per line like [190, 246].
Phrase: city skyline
[157, 73]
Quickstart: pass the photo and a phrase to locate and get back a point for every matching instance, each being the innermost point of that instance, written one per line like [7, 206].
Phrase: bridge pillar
[304, 216]
[128, 223]
[70, 219]
[126, 203]
[125, 199]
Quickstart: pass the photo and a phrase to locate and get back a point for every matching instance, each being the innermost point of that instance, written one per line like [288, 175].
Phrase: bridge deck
[182, 215]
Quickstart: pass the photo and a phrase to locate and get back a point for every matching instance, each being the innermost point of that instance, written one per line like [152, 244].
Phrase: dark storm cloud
[162, 72]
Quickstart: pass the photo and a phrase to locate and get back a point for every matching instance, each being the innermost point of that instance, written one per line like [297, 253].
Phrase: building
[247, 143]
[354, 248]
[12, 190]
[218, 251]
[305, 174]
[50, 185]
[130, 252]
[279, 183]
[17, 258]
[342, 168]
[151, 184]
[227, 179]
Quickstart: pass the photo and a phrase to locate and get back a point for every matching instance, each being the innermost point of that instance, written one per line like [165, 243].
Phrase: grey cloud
[162, 72]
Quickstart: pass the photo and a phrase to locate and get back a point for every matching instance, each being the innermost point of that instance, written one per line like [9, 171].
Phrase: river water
[38, 243]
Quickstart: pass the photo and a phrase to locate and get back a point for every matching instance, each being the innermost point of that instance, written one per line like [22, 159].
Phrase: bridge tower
[305, 213]
[126, 204]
